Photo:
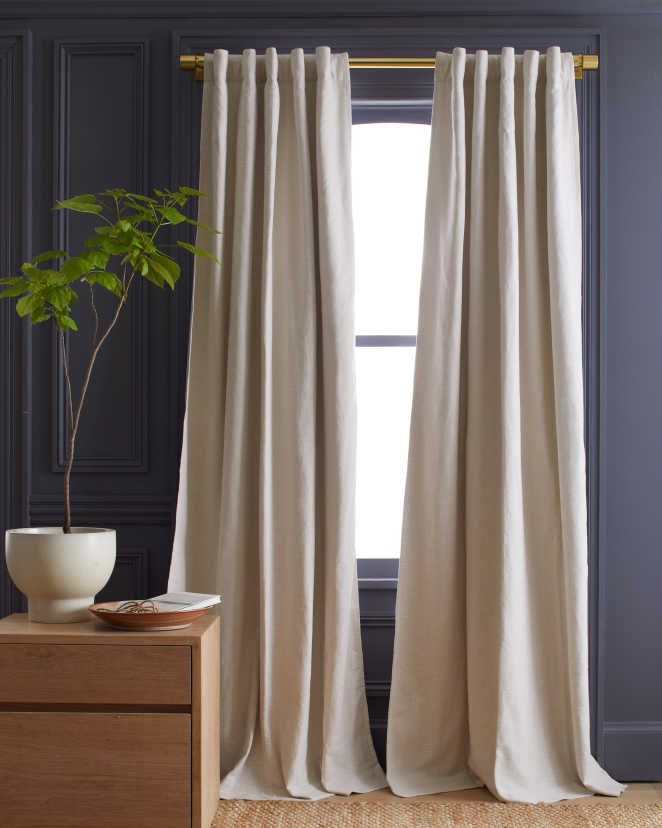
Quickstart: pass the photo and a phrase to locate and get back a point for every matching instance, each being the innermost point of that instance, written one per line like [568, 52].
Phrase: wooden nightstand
[108, 729]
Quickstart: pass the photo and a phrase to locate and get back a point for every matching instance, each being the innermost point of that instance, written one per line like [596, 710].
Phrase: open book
[177, 601]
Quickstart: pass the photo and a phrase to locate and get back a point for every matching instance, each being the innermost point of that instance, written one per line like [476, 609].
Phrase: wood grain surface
[95, 674]
[95, 770]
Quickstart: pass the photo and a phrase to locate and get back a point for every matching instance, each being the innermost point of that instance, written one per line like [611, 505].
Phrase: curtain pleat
[490, 673]
[265, 514]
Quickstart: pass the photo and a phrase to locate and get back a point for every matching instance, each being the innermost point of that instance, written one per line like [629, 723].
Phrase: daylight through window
[389, 178]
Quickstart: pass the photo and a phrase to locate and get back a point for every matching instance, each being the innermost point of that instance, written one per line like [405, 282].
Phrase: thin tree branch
[70, 421]
[95, 352]
[159, 225]
[96, 315]
[79, 408]
[67, 378]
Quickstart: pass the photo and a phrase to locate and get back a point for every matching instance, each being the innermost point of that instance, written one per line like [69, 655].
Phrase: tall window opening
[389, 181]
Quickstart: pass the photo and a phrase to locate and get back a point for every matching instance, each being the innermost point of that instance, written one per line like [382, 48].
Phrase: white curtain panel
[490, 673]
[265, 514]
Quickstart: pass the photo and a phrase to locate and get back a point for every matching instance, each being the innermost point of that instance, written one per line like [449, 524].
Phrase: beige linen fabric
[265, 514]
[490, 674]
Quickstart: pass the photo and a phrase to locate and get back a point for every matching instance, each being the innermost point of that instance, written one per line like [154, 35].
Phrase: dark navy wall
[91, 96]
[631, 400]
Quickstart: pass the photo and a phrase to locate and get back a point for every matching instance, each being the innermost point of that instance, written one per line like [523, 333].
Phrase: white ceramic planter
[60, 574]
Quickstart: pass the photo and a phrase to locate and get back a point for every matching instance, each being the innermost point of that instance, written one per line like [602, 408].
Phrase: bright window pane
[384, 383]
[389, 181]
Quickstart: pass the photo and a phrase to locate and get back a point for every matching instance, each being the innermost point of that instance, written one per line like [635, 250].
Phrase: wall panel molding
[371, 620]
[66, 52]
[104, 510]
[15, 90]
[132, 572]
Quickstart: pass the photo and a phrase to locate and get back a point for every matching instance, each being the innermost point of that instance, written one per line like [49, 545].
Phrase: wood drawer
[95, 674]
[100, 770]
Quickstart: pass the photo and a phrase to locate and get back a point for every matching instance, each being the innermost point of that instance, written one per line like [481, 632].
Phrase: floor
[636, 793]
[640, 805]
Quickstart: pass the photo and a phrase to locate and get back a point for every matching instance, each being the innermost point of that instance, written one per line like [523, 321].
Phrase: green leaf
[139, 216]
[170, 264]
[109, 281]
[102, 244]
[153, 277]
[204, 226]
[80, 204]
[67, 322]
[115, 192]
[140, 197]
[97, 258]
[30, 270]
[53, 279]
[49, 254]
[162, 271]
[198, 251]
[190, 191]
[16, 290]
[111, 245]
[75, 267]
[27, 304]
[59, 297]
[116, 247]
[40, 316]
[172, 215]
[133, 257]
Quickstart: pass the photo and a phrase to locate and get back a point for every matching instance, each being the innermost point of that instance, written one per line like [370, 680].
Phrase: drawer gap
[55, 707]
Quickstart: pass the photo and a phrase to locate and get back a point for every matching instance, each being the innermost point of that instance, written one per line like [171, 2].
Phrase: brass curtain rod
[196, 63]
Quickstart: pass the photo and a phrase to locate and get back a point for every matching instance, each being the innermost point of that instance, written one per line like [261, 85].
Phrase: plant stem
[95, 333]
[70, 419]
[96, 347]
[67, 378]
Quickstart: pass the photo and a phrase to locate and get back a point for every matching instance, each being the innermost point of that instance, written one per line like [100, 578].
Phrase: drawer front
[95, 770]
[95, 674]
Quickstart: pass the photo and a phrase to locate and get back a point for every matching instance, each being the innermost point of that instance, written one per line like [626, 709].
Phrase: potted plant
[60, 569]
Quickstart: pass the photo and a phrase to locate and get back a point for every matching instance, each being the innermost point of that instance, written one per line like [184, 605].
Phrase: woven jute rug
[405, 814]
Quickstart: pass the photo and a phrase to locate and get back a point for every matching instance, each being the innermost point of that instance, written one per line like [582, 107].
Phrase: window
[389, 180]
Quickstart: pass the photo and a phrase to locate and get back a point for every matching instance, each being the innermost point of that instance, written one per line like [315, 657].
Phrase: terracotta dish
[145, 620]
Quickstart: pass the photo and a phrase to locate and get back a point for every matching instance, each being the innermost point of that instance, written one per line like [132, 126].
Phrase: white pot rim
[57, 530]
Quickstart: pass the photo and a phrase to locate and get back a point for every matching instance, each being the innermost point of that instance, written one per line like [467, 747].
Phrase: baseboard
[633, 750]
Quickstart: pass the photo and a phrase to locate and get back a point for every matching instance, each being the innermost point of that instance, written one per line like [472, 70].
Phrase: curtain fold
[490, 672]
[265, 514]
